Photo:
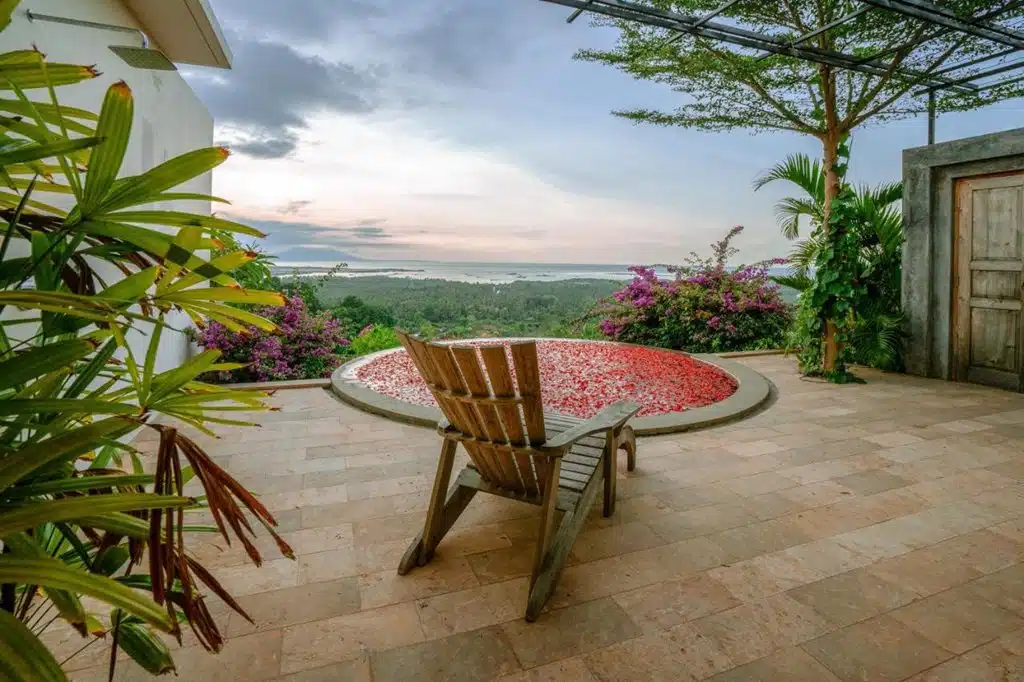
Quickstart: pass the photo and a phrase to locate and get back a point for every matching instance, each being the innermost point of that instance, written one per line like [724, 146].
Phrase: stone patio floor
[864, 532]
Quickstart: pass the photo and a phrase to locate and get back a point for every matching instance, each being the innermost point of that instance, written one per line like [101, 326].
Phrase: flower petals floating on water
[581, 377]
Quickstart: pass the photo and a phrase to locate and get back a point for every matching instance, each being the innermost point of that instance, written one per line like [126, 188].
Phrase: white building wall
[169, 118]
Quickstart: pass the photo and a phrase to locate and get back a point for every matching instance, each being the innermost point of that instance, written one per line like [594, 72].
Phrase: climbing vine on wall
[837, 286]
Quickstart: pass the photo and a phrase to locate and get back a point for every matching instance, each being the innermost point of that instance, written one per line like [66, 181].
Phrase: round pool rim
[752, 391]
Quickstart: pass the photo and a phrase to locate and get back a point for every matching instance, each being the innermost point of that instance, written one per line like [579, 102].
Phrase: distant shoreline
[285, 271]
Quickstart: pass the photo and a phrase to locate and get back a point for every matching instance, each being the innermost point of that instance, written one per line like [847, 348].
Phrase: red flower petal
[581, 377]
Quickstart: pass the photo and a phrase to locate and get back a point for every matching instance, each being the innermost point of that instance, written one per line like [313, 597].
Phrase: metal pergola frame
[931, 16]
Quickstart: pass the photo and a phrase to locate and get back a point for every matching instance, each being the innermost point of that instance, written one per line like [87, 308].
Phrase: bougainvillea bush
[304, 346]
[707, 307]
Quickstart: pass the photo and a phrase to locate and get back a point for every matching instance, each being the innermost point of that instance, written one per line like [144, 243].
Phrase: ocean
[483, 273]
[480, 273]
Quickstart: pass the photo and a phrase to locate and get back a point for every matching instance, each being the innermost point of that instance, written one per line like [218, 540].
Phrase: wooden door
[988, 278]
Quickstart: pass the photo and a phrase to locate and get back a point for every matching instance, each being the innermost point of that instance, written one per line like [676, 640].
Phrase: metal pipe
[575, 14]
[1003, 68]
[931, 117]
[650, 16]
[926, 11]
[822, 29]
[1010, 6]
[975, 62]
[715, 12]
[831, 25]
[35, 16]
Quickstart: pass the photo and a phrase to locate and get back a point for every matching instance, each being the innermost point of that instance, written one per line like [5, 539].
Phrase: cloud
[287, 239]
[463, 130]
[295, 205]
[268, 94]
[369, 232]
[265, 147]
[308, 19]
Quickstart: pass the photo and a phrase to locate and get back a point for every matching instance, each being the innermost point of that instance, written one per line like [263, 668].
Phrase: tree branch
[780, 108]
[909, 86]
[866, 98]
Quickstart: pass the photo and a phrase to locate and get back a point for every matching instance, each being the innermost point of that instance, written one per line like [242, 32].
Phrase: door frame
[960, 334]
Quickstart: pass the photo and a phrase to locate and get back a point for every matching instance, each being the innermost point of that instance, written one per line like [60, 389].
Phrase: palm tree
[878, 336]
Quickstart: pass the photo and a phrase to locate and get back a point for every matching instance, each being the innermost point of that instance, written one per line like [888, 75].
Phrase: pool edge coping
[752, 391]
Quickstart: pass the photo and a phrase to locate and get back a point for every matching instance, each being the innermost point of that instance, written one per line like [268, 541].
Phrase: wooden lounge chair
[516, 451]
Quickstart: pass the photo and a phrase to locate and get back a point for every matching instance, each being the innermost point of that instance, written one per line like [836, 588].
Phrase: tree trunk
[830, 142]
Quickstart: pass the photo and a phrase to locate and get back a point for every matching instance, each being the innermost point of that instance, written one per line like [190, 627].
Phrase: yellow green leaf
[114, 127]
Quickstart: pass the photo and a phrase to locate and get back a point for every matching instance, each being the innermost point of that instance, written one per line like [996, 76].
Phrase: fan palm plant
[84, 519]
[877, 337]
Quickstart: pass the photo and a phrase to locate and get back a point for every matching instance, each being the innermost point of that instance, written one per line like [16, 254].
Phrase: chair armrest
[444, 426]
[611, 417]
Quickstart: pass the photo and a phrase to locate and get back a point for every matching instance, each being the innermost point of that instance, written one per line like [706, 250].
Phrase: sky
[463, 130]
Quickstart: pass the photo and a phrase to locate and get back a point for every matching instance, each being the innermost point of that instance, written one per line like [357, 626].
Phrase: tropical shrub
[355, 314]
[706, 307]
[303, 345]
[254, 274]
[92, 538]
[372, 339]
[870, 230]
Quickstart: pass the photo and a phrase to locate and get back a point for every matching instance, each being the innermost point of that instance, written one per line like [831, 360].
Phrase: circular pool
[675, 390]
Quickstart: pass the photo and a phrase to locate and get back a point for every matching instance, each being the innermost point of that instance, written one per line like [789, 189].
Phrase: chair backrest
[498, 411]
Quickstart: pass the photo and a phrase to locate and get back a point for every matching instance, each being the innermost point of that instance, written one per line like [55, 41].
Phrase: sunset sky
[463, 130]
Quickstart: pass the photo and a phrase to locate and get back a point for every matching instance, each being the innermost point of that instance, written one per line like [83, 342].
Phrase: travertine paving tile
[925, 571]
[613, 540]
[993, 662]
[957, 619]
[878, 650]
[679, 653]
[853, 596]
[856, 533]
[789, 665]
[318, 643]
[293, 605]
[356, 670]
[467, 657]
[473, 608]
[871, 482]
[574, 669]
[570, 631]
[1004, 588]
[673, 602]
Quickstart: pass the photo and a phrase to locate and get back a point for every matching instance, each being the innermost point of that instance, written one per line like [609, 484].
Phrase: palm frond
[788, 212]
[799, 169]
[795, 281]
[803, 255]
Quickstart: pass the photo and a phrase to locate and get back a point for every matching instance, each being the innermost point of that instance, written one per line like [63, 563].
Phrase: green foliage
[255, 274]
[303, 288]
[725, 87]
[354, 315]
[306, 288]
[82, 526]
[849, 273]
[441, 308]
[373, 340]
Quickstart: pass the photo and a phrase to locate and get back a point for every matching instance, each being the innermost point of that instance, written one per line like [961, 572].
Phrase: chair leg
[542, 584]
[627, 441]
[441, 514]
[547, 518]
[610, 472]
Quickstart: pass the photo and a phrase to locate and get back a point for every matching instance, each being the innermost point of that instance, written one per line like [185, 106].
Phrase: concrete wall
[169, 118]
[929, 176]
